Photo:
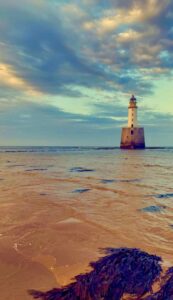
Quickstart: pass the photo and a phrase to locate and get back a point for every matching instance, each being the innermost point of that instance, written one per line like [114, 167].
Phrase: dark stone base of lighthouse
[132, 138]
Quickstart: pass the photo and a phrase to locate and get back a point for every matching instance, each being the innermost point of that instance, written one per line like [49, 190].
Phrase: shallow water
[60, 206]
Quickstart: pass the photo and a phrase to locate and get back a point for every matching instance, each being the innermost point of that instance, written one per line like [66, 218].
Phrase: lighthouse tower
[132, 136]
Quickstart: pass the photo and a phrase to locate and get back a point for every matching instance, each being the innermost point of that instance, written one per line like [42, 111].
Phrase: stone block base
[132, 138]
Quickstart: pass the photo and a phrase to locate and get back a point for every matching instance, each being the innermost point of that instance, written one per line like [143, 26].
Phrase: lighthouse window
[131, 132]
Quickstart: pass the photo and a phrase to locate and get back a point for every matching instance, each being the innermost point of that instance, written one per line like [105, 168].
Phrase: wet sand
[54, 221]
[44, 244]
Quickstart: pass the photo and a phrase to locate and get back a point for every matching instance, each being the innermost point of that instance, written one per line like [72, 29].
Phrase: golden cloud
[10, 79]
[113, 19]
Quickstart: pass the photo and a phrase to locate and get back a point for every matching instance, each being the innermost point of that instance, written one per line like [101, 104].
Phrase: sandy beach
[58, 211]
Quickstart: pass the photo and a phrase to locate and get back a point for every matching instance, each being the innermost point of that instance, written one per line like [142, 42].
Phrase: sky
[69, 67]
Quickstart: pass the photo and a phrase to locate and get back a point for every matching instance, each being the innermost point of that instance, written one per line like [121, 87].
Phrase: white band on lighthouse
[132, 113]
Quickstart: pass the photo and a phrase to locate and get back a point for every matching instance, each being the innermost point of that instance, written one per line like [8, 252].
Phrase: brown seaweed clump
[120, 271]
[166, 290]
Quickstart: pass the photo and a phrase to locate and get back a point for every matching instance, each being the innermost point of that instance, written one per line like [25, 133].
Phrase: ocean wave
[60, 149]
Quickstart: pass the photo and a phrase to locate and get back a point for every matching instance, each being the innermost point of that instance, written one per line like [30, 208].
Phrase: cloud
[42, 124]
[39, 50]
[62, 49]
[10, 80]
[134, 35]
[52, 46]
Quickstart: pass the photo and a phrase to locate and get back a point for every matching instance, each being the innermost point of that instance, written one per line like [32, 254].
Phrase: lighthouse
[132, 136]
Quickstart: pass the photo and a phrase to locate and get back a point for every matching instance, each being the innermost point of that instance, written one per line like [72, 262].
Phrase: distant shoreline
[84, 147]
[63, 149]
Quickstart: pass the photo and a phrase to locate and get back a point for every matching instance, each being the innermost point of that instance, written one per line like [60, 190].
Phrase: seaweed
[80, 191]
[108, 181]
[80, 170]
[121, 271]
[166, 290]
[164, 196]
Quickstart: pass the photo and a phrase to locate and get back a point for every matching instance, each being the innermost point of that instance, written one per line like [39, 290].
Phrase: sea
[60, 207]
